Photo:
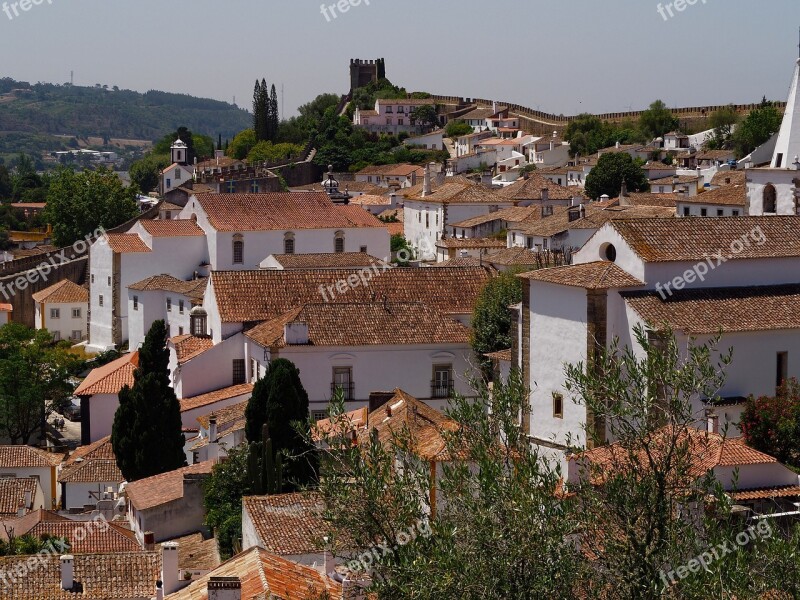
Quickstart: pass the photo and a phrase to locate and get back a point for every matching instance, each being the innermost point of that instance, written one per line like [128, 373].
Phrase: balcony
[348, 389]
[441, 389]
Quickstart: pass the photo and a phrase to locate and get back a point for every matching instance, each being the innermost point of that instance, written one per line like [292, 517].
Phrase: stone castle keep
[364, 72]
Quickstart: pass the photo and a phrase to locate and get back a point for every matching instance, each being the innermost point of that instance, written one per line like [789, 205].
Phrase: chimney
[67, 572]
[426, 182]
[617, 144]
[624, 191]
[545, 195]
[224, 588]
[494, 107]
[213, 447]
[440, 177]
[159, 590]
[296, 333]
[583, 211]
[713, 423]
[169, 567]
[149, 541]
[21, 510]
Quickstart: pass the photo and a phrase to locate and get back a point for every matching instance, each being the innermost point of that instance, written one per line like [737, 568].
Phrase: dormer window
[198, 321]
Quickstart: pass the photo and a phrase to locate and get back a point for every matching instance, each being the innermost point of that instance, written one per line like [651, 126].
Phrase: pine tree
[274, 114]
[146, 435]
[261, 111]
[280, 401]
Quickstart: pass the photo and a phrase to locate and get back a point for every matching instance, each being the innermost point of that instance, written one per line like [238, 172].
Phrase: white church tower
[180, 171]
[775, 190]
[180, 152]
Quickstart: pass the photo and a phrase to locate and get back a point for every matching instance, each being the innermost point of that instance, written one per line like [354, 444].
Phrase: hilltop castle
[364, 72]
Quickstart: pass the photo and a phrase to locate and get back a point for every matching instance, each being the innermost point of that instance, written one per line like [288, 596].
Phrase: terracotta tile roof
[103, 537]
[196, 553]
[396, 228]
[729, 178]
[347, 422]
[681, 179]
[416, 190]
[94, 463]
[281, 211]
[512, 257]
[19, 525]
[788, 491]
[350, 186]
[477, 114]
[708, 310]
[62, 292]
[170, 205]
[263, 576]
[401, 170]
[504, 355]
[28, 456]
[12, 494]
[648, 199]
[340, 260]
[110, 378]
[121, 575]
[216, 396]
[692, 239]
[658, 166]
[288, 524]
[223, 161]
[370, 200]
[469, 243]
[371, 324]
[194, 289]
[707, 451]
[462, 193]
[162, 489]
[729, 195]
[126, 243]
[514, 214]
[592, 276]
[172, 228]
[188, 347]
[531, 189]
[459, 261]
[243, 296]
[596, 219]
[407, 101]
[225, 416]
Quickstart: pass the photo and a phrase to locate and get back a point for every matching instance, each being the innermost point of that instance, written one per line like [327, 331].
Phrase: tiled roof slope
[93, 463]
[728, 195]
[194, 288]
[531, 189]
[263, 576]
[172, 228]
[364, 325]
[12, 494]
[121, 575]
[64, 291]
[166, 487]
[126, 243]
[592, 276]
[288, 524]
[512, 215]
[110, 378]
[188, 347]
[281, 211]
[335, 260]
[96, 537]
[225, 416]
[262, 295]
[692, 239]
[709, 310]
[461, 193]
[217, 395]
[196, 553]
[12, 457]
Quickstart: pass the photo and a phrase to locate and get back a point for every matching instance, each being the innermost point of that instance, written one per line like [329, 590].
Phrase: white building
[392, 116]
[27, 462]
[89, 472]
[390, 176]
[63, 310]
[179, 172]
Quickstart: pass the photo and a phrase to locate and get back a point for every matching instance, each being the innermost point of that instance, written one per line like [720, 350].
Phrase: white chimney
[494, 107]
[224, 588]
[617, 144]
[159, 590]
[27, 499]
[169, 567]
[67, 572]
[545, 195]
[213, 447]
[296, 333]
[426, 182]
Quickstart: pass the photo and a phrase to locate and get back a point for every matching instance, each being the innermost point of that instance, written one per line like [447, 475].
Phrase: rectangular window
[180, 306]
[100, 300]
[109, 280]
[399, 121]
[76, 335]
[735, 213]
[363, 249]
[442, 384]
[136, 303]
[686, 212]
[720, 212]
[180, 330]
[782, 370]
[318, 415]
[703, 212]
[343, 378]
[168, 215]
[76, 313]
[558, 405]
[238, 252]
[92, 278]
[55, 313]
[231, 187]
[56, 336]
[238, 371]
[169, 304]
[779, 161]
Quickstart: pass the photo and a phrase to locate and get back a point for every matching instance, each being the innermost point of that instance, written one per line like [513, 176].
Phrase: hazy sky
[562, 56]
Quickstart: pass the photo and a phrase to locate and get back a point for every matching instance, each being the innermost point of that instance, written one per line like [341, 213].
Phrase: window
[388, 120]
[92, 278]
[136, 303]
[177, 174]
[55, 313]
[231, 187]
[338, 242]
[442, 384]
[169, 304]
[109, 280]
[363, 249]
[703, 212]
[388, 110]
[180, 330]
[427, 220]
[770, 199]
[76, 313]
[735, 213]
[288, 243]
[318, 415]
[56, 336]
[608, 252]
[238, 250]
[558, 405]
[254, 187]
[686, 212]
[720, 212]
[168, 215]
[180, 306]
[76, 335]
[343, 379]
[782, 370]
[779, 161]
[238, 371]
[169, 182]
[100, 300]
[399, 121]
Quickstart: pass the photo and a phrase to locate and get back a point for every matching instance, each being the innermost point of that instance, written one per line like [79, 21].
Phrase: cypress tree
[274, 114]
[146, 435]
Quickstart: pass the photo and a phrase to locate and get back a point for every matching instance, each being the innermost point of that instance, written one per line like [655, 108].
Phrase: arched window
[288, 243]
[338, 242]
[238, 249]
[770, 199]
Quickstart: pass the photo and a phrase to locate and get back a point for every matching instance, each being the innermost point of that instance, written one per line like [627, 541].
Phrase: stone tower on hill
[364, 72]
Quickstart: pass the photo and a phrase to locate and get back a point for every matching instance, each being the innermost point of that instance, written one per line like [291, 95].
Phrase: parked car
[73, 413]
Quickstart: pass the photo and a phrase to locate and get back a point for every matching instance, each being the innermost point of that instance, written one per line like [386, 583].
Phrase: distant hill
[45, 109]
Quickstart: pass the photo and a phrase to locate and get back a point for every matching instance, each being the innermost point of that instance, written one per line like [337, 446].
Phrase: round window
[610, 253]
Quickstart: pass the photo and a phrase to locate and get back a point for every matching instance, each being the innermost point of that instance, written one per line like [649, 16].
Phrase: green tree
[34, 380]
[222, 496]
[274, 117]
[146, 172]
[5, 183]
[657, 120]
[756, 129]
[162, 147]
[425, 115]
[771, 424]
[492, 319]
[146, 434]
[79, 203]
[241, 145]
[456, 129]
[261, 111]
[611, 170]
[280, 401]
[267, 151]
[722, 121]
[587, 134]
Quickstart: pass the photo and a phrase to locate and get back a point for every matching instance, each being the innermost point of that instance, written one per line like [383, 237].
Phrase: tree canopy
[612, 169]
[657, 120]
[756, 129]
[147, 434]
[491, 319]
[771, 424]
